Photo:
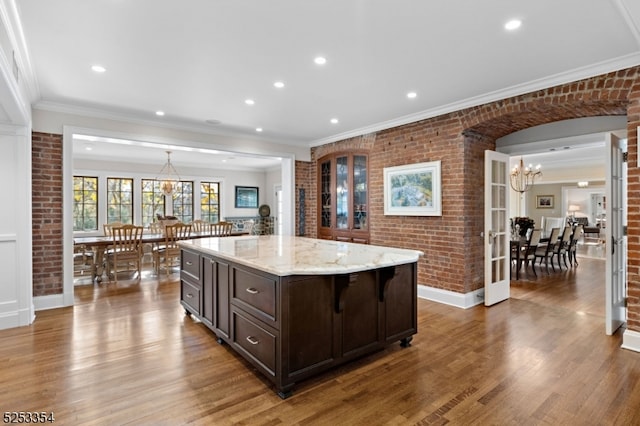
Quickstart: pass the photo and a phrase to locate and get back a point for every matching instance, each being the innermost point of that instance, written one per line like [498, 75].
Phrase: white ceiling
[200, 60]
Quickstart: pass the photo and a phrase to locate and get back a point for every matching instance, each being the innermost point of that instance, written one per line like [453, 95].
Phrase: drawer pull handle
[252, 340]
[189, 263]
[189, 295]
[252, 290]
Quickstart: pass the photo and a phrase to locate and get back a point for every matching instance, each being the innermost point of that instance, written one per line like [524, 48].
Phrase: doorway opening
[577, 178]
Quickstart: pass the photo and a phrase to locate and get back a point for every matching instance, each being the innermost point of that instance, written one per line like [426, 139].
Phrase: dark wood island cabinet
[294, 306]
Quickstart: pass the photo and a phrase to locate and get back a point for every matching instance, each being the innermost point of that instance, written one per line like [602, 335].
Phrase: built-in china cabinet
[343, 197]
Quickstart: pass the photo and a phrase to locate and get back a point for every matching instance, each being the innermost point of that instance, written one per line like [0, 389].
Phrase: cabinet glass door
[359, 192]
[342, 193]
[325, 194]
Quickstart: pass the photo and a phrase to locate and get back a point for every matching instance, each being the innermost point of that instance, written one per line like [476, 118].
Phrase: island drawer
[190, 264]
[255, 341]
[255, 293]
[190, 295]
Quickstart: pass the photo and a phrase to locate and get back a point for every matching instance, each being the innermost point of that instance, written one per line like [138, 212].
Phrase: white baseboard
[631, 340]
[53, 301]
[17, 318]
[459, 300]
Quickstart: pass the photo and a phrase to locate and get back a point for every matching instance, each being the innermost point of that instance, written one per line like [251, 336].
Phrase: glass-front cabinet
[343, 195]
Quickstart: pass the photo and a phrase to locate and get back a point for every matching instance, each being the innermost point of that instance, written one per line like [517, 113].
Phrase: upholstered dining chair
[168, 252]
[126, 250]
[561, 247]
[528, 252]
[545, 251]
[575, 237]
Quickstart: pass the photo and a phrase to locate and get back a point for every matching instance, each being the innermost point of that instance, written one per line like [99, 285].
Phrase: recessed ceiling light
[278, 84]
[160, 113]
[513, 24]
[258, 129]
[249, 102]
[334, 121]
[98, 68]
[411, 95]
[320, 60]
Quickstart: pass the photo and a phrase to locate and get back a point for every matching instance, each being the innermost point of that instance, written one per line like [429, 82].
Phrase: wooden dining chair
[168, 252]
[201, 226]
[221, 229]
[544, 251]
[126, 249]
[107, 227]
[156, 228]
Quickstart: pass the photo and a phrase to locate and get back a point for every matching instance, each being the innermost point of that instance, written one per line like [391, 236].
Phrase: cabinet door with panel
[215, 286]
[190, 286]
[343, 197]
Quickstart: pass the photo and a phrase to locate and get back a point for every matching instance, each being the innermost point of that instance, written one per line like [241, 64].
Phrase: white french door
[616, 284]
[497, 254]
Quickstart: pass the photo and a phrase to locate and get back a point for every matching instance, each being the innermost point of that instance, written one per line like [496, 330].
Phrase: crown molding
[600, 68]
[11, 19]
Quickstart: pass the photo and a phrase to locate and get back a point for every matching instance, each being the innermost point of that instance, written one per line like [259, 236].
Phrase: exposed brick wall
[452, 244]
[633, 209]
[47, 214]
[303, 181]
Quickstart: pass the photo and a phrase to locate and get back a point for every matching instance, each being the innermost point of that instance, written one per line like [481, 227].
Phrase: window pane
[119, 200]
[210, 201]
[152, 201]
[85, 203]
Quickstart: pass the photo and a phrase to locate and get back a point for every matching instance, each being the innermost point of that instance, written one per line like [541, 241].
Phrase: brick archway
[604, 95]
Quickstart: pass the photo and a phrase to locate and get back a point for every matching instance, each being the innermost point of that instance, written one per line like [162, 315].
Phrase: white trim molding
[451, 298]
[631, 340]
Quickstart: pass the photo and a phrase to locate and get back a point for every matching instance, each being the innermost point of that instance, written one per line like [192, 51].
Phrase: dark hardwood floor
[127, 354]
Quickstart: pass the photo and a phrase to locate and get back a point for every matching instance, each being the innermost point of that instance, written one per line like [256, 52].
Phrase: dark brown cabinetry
[205, 291]
[293, 327]
[343, 204]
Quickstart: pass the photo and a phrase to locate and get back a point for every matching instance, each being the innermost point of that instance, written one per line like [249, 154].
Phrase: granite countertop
[288, 255]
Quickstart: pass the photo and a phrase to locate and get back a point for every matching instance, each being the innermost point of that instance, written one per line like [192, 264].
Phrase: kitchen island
[295, 306]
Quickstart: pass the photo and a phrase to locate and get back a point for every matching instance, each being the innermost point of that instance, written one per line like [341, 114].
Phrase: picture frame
[413, 190]
[544, 201]
[246, 197]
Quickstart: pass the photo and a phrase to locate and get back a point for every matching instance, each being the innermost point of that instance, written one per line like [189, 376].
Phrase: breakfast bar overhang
[296, 306]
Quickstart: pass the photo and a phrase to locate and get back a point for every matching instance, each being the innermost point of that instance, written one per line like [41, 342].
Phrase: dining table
[99, 244]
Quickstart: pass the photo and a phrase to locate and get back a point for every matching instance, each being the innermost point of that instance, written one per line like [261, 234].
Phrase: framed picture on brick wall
[413, 190]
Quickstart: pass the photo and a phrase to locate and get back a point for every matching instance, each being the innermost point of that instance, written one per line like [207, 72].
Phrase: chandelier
[170, 181]
[522, 178]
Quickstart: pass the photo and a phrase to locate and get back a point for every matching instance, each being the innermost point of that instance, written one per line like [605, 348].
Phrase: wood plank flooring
[127, 354]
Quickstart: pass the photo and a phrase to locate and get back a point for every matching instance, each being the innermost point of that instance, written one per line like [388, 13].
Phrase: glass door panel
[360, 206]
[342, 193]
[325, 194]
